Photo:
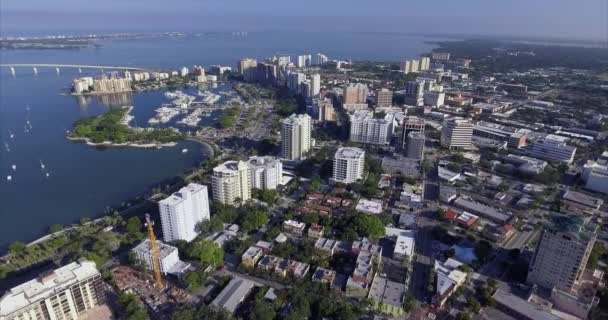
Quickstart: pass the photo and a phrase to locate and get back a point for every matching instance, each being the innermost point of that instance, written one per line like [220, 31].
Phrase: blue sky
[555, 18]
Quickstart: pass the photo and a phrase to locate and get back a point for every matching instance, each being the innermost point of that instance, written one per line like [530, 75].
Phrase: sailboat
[14, 167]
[48, 174]
[41, 165]
[9, 178]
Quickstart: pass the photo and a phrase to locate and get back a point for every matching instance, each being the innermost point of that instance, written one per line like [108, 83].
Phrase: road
[424, 259]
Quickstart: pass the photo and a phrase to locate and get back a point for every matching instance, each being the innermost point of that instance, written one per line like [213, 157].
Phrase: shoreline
[126, 144]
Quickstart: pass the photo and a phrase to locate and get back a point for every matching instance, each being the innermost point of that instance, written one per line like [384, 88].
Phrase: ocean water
[84, 181]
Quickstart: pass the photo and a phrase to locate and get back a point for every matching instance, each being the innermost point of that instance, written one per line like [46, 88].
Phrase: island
[112, 128]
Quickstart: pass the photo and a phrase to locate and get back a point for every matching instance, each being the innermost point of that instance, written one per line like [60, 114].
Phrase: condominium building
[247, 68]
[265, 172]
[384, 98]
[295, 137]
[231, 182]
[425, 63]
[304, 60]
[64, 293]
[315, 84]
[415, 145]
[443, 56]
[320, 59]
[294, 82]
[180, 212]
[323, 110]
[553, 148]
[562, 252]
[355, 93]
[349, 164]
[111, 84]
[409, 66]
[456, 133]
[364, 128]
[414, 92]
[410, 124]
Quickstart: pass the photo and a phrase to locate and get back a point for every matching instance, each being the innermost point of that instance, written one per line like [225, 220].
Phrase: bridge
[79, 66]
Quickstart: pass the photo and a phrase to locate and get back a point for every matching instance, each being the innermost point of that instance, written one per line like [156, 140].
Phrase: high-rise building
[231, 182]
[410, 124]
[435, 99]
[414, 66]
[456, 133]
[265, 172]
[405, 66]
[349, 164]
[562, 252]
[247, 68]
[180, 212]
[306, 89]
[364, 128]
[266, 73]
[425, 63]
[553, 148]
[295, 136]
[64, 293]
[304, 60]
[414, 92]
[355, 93]
[415, 145]
[384, 98]
[323, 110]
[110, 84]
[320, 59]
[294, 82]
[315, 84]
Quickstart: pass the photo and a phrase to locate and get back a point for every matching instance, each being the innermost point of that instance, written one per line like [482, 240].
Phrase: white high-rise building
[295, 136]
[315, 84]
[64, 293]
[180, 212]
[425, 63]
[231, 182]
[320, 59]
[183, 71]
[553, 148]
[456, 133]
[364, 128]
[266, 172]
[304, 60]
[349, 164]
[294, 82]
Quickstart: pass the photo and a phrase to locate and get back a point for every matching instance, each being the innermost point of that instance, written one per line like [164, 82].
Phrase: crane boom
[158, 278]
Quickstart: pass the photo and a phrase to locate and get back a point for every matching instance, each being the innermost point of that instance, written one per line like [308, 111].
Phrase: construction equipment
[158, 278]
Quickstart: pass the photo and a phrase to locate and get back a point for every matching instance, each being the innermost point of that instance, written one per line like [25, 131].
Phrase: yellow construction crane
[158, 278]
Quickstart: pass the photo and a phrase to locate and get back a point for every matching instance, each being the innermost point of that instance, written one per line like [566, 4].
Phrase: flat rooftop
[521, 306]
[350, 153]
[234, 293]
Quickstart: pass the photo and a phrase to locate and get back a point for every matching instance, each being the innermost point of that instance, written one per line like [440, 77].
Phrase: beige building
[384, 98]
[247, 68]
[64, 293]
[456, 133]
[296, 141]
[231, 182]
[355, 94]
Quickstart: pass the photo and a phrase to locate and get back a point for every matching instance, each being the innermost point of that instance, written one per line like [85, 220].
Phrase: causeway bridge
[34, 66]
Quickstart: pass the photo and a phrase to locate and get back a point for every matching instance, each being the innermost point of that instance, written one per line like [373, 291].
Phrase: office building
[425, 63]
[265, 172]
[434, 99]
[64, 293]
[247, 68]
[562, 252]
[315, 84]
[415, 145]
[231, 182]
[456, 133]
[516, 140]
[595, 175]
[320, 59]
[414, 92]
[553, 148]
[355, 93]
[349, 164]
[168, 257]
[295, 136]
[384, 98]
[410, 124]
[180, 212]
[364, 128]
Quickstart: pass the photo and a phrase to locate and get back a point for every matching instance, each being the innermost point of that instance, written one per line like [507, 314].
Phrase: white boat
[14, 167]
[184, 150]
[11, 135]
[9, 178]
[48, 174]
[41, 165]
[6, 147]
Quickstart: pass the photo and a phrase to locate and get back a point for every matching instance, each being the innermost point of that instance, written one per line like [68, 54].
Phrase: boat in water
[9, 178]
[14, 167]
[41, 164]
[184, 150]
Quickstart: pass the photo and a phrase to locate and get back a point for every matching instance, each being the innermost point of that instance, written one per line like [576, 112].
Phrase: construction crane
[158, 278]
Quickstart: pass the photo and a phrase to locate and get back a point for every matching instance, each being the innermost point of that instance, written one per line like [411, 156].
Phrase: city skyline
[540, 18]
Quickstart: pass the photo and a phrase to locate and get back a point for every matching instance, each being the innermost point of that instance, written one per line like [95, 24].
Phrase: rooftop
[387, 292]
[583, 199]
[183, 194]
[521, 306]
[145, 248]
[350, 153]
[233, 294]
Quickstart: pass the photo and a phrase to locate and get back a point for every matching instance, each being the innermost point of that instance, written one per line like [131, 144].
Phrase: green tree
[132, 309]
[368, 226]
[133, 225]
[194, 280]
[473, 305]
[207, 252]
[17, 248]
[55, 228]
[464, 316]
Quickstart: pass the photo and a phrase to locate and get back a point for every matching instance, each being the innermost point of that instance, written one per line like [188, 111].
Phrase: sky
[584, 19]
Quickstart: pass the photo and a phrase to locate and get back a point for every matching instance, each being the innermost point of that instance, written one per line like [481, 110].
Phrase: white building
[183, 71]
[595, 174]
[456, 133]
[64, 293]
[296, 141]
[304, 60]
[315, 84]
[553, 148]
[364, 128]
[294, 82]
[265, 172]
[349, 164]
[169, 257]
[449, 279]
[425, 63]
[369, 206]
[180, 212]
[320, 59]
[231, 182]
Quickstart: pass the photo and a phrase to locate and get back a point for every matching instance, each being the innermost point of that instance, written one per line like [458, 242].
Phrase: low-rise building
[581, 203]
[467, 220]
[449, 279]
[387, 296]
[485, 211]
[553, 148]
[294, 227]
[373, 206]
[233, 294]
[595, 175]
[315, 231]
[323, 275]
[252, 256]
